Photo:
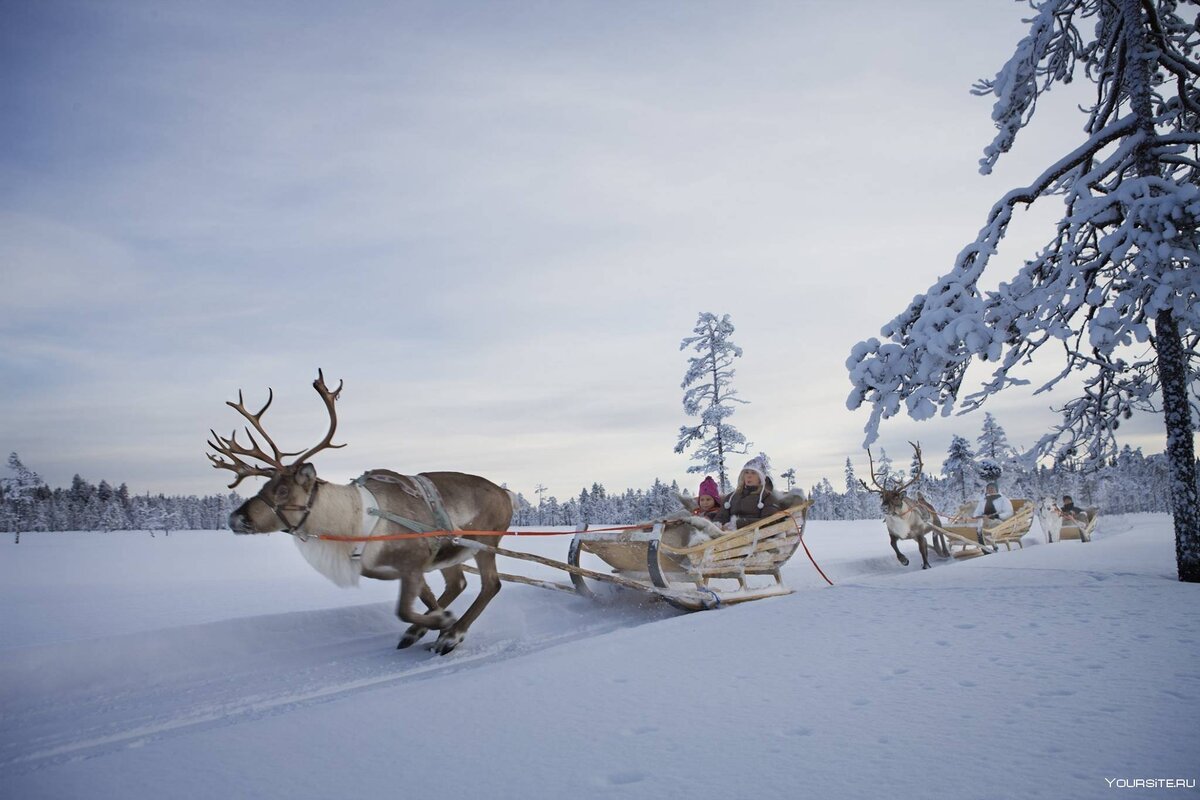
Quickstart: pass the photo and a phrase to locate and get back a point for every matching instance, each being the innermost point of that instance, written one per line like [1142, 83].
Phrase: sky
[494, 221]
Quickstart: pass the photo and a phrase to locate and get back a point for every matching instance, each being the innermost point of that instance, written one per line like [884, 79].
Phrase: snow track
[70, 700]
[248, 669]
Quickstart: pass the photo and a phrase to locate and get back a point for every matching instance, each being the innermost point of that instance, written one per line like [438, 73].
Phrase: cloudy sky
[494, 221]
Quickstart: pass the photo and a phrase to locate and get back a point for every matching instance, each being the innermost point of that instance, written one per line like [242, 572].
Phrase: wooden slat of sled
[1084, 532]
[1011, 530]
[964, 538]
[760, 530]
[623, 556]
[773, 545]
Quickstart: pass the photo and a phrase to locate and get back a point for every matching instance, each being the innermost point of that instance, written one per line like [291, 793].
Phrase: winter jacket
[743, 504]
[1002, 505]
[1074, 513]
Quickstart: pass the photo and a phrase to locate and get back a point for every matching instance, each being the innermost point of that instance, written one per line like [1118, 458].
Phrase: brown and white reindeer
[379, 503]
[907, 518]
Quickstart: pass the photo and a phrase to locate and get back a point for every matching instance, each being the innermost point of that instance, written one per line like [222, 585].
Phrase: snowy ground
[206, 665]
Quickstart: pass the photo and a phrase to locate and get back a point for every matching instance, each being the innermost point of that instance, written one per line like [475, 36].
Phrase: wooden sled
[1082, 533]
[964, 539]
[655, 560]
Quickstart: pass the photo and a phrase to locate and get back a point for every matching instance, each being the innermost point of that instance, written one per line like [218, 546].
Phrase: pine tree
[959, 464]
[852, 485]
[709, 396]
[19, 492]
[1118, 274]
[993, 441]
[790, 477]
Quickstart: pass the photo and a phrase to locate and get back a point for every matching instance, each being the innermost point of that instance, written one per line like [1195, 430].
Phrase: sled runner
[656, 559]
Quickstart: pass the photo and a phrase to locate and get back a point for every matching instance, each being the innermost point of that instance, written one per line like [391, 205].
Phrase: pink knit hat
[709, 487]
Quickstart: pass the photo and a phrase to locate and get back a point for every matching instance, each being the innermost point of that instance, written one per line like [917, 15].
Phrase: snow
[206, 665]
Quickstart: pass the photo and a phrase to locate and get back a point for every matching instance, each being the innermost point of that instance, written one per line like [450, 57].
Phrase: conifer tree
[959, 464]
[1117, 285]
[709, 396]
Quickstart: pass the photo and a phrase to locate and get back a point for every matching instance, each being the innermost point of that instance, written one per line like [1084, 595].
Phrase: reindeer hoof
[904, 561]
[411, 637]
[447, 642]
[924, 566]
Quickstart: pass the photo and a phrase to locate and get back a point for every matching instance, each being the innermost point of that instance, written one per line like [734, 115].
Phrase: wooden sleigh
[1076, 530]
[963, 540]
[655, 560]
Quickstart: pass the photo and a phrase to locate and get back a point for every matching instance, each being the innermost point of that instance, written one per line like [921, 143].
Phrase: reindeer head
[285, 500]
[891, 498]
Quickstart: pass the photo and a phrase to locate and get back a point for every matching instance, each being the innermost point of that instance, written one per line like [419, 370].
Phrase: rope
[809, 554]
[331, 537]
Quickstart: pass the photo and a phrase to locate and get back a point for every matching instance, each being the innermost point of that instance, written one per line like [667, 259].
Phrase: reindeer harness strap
[421, 488]
[368, 504]
[306, 508]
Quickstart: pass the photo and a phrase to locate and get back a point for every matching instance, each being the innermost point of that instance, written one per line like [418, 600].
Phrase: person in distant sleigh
[1071, 513]
[992, 509]
[753, 499]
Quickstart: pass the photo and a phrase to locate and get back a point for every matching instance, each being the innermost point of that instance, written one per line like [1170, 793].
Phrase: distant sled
[964, 539]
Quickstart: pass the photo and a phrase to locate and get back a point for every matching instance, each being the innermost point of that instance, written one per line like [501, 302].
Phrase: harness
[306, 508]
[906, 501]
[421, 488]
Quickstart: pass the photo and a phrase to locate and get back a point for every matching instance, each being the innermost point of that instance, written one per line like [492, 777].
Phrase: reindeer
[906, 519]
[381, 502]
[1050, 519]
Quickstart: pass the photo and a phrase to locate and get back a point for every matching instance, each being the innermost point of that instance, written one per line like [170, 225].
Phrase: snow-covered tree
[18, 491]
[826, 503]
[709, 396]
[993, 441]
[885, 473]
[852, 486]
[959, 465]
[859, 503]
[789, 475]
[1120, 271]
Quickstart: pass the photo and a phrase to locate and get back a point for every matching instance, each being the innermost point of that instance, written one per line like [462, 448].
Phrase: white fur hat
[758, 465]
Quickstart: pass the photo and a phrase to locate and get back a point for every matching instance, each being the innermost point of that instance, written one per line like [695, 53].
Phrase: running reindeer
[379, 503]
[906, 518]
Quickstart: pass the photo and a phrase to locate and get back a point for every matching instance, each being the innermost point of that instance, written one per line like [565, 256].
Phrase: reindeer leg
[416, 632]
[489, 579]
[924, 547]
[455, 583]
[413, 586]
[899, 555]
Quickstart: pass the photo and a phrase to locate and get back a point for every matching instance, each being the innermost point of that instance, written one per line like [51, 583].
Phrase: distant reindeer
[1050, 518]
[295, 500]
[906, 518]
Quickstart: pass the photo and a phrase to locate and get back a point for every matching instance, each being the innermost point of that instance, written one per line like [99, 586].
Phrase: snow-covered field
[204, 665]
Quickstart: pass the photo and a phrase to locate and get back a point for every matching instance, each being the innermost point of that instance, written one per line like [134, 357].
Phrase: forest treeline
[1131, 482]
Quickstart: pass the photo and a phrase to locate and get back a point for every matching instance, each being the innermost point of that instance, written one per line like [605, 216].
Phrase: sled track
[110, 723]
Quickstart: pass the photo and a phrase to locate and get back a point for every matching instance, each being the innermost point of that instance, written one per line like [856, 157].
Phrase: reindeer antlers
[875, 478]
[233, 450]
[329, 398]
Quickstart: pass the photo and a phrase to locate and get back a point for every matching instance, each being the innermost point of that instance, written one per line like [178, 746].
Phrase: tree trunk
[1172, 360]
[1181, 451]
